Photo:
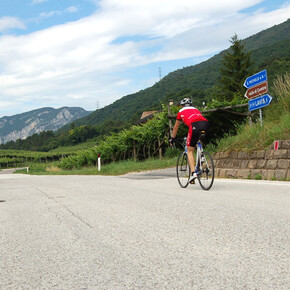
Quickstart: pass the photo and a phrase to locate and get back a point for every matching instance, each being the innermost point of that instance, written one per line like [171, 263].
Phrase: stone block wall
[268, 164]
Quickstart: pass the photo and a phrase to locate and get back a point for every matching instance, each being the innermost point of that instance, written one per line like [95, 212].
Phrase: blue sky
[89, 53]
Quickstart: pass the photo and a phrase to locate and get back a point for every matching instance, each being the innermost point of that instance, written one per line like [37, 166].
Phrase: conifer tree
[236, 67]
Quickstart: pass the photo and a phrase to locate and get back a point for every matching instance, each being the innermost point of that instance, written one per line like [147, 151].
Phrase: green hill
[270, 50]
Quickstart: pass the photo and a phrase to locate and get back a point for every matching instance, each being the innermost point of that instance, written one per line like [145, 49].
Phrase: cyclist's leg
[190, 149]
[192, 139]
[191, 159]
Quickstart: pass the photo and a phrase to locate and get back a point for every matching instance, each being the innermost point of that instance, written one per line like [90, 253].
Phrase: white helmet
[186, 102]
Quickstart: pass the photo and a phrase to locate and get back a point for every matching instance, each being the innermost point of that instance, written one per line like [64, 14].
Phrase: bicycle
[204, 166]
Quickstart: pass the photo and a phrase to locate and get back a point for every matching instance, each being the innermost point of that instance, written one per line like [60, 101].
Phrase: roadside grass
[114, 168]
[276, 123]
[254, 137]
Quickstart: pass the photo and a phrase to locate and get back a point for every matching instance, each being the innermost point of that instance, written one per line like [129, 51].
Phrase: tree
[236, 67]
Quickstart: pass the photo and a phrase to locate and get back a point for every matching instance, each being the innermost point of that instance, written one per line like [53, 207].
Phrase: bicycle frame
[199, 151]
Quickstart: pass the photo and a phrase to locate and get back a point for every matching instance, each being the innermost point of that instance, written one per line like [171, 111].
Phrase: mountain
[270, 50]
[21, 126]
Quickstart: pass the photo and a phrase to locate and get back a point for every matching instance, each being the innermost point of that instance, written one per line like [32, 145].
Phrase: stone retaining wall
[266, 164]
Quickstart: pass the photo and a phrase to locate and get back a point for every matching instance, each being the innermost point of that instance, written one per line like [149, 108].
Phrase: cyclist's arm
[175, 128]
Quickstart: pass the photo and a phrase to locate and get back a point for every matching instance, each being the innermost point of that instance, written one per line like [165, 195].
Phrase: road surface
[142, 231]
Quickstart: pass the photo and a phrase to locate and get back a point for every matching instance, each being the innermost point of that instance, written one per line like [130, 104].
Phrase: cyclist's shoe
[192, 178]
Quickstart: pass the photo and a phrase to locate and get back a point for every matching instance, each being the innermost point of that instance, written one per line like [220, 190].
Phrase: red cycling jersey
[190, 115]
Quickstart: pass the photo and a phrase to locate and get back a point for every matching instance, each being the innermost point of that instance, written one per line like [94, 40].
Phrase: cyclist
[195, 122]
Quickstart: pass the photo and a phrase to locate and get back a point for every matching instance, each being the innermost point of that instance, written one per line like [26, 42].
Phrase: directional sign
[257, 90]
[256, 79]
[259, 102]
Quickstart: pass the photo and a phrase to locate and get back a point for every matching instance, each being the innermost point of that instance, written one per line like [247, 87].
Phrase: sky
[89, 53]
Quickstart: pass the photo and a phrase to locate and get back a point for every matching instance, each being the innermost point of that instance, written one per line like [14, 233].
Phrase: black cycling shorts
[194, 132]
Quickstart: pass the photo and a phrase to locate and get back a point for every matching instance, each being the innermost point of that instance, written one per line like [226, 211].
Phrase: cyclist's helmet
[186, 102]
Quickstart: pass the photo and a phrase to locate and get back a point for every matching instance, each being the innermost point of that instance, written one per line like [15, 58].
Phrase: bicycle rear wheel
[183, 170]
[206, 175]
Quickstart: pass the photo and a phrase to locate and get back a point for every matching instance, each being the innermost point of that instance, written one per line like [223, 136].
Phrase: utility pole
[160, 73]
[169, 120]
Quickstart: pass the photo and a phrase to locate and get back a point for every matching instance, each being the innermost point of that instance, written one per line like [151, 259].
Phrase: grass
[258, 177]
[276, 123]
[114, 168]
[254, 137]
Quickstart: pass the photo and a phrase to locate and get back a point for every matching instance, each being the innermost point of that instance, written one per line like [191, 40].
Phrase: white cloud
[34, 2]
[7, 23]
[78, 63]
[72, 9]
[50, 14]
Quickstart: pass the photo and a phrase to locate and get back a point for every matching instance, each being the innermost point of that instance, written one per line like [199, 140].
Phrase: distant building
[146, 116]
[148, 113]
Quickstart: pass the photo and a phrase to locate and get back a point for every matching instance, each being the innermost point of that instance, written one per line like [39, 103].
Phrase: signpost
[257, 85]
[256, 79]
[259, 102]
[257, 90]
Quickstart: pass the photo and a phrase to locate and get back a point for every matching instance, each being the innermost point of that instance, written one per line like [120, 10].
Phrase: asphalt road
[142, 231]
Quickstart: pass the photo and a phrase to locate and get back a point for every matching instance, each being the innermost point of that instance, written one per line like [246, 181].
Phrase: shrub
[172, 152]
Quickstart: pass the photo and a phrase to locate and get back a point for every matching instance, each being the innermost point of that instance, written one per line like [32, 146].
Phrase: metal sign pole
[261, 117]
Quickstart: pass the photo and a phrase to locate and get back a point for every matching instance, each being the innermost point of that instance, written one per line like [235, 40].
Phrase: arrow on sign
[256, 79]
[257, 90]
[260, 102]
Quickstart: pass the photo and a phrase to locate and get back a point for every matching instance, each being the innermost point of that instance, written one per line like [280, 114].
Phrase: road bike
[204, 166]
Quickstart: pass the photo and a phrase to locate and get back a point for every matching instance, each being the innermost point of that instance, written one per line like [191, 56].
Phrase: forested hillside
[270, 50]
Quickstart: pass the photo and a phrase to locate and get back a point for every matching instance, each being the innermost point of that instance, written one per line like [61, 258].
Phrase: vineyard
[137, 143]
[16, 158]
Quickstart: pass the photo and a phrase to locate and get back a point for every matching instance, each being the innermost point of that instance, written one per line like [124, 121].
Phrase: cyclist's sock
[192, 178]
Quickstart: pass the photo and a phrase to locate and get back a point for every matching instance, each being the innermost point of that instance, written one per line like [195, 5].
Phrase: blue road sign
[255, 79]
[259, 102]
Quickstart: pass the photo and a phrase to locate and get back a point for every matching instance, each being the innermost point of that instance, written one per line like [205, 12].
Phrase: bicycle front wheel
[206, 174]
[183, 170]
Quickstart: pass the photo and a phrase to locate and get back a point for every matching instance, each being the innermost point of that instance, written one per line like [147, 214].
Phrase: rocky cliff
[26, 124]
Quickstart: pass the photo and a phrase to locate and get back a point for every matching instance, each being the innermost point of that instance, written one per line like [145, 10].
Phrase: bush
[258, 177]
[172, 152]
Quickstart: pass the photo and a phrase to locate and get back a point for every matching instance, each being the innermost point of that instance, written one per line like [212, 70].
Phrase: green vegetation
[16, 158]
[48, 140]
[138, 143]
[114, 168]
[276, 123]
[236, 68]
[258, 177]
